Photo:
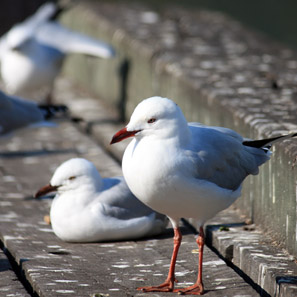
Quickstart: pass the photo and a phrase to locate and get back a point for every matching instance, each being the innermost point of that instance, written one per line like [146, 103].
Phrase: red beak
[44, 190]
[123, 134]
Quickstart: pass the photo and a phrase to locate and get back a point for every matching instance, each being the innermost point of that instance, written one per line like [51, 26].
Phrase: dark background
[14, 11]
[274, 17]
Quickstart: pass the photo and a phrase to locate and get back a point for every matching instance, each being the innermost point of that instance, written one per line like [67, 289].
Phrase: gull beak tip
[44, 190]
[113, 140]
[123, 134]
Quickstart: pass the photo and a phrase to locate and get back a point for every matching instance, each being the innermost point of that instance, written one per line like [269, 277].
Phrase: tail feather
[266, 143]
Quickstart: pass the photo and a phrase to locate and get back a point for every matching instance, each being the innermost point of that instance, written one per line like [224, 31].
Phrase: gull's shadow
[169, 233]
[4, 265]
[215, 227]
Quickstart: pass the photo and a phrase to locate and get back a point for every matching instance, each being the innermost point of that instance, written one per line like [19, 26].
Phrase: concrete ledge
[218, 72]
[254, 253]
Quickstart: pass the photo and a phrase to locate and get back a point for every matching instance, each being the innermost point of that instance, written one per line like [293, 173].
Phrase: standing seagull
[32, 53]
[16, 113]
[186, 170]
[90, 208]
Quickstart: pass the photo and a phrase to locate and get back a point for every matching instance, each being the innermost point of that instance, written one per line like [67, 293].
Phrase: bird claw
[196, 289]
[167, 286]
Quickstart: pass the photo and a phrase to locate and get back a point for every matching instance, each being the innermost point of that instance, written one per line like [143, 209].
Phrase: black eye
[152, 120]
[72, 177]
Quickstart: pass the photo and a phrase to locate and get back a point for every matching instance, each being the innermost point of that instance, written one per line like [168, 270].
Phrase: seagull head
[155, 117]
[75, 174]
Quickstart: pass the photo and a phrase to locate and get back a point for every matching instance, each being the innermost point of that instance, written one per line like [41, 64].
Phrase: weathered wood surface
[9, 283]
[28, 159]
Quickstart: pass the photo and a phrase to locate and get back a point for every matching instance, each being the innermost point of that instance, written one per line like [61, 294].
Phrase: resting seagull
[89, 208]
[186, 170]
[32, 52]
[16, 113]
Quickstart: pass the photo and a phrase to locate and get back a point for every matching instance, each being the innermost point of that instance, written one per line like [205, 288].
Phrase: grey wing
[16, 113]
[122, 203]
[68, 41]
[221, 158]
[117, 202]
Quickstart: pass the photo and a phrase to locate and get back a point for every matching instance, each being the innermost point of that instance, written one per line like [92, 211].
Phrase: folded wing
[221, 157]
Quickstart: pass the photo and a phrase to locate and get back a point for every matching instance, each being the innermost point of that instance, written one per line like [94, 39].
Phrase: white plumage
[186, 169]
[89, 208]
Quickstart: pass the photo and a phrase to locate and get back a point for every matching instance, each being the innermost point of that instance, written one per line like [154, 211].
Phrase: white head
[155, 117]
[74, 174]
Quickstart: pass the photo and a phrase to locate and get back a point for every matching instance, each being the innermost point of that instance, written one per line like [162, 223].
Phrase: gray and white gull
[186, 170]
[89, 208]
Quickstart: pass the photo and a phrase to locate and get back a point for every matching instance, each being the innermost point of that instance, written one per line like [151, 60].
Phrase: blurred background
[273, 17]
[15, 11]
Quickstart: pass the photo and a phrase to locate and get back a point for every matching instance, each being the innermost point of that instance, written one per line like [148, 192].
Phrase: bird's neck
[180, 136]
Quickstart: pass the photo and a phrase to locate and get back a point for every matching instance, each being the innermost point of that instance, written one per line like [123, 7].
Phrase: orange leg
[168, 285]
[197, 288]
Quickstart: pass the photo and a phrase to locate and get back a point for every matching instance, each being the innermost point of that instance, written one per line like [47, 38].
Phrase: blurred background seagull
[32, 52]
[89, 208]
[16, 113]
